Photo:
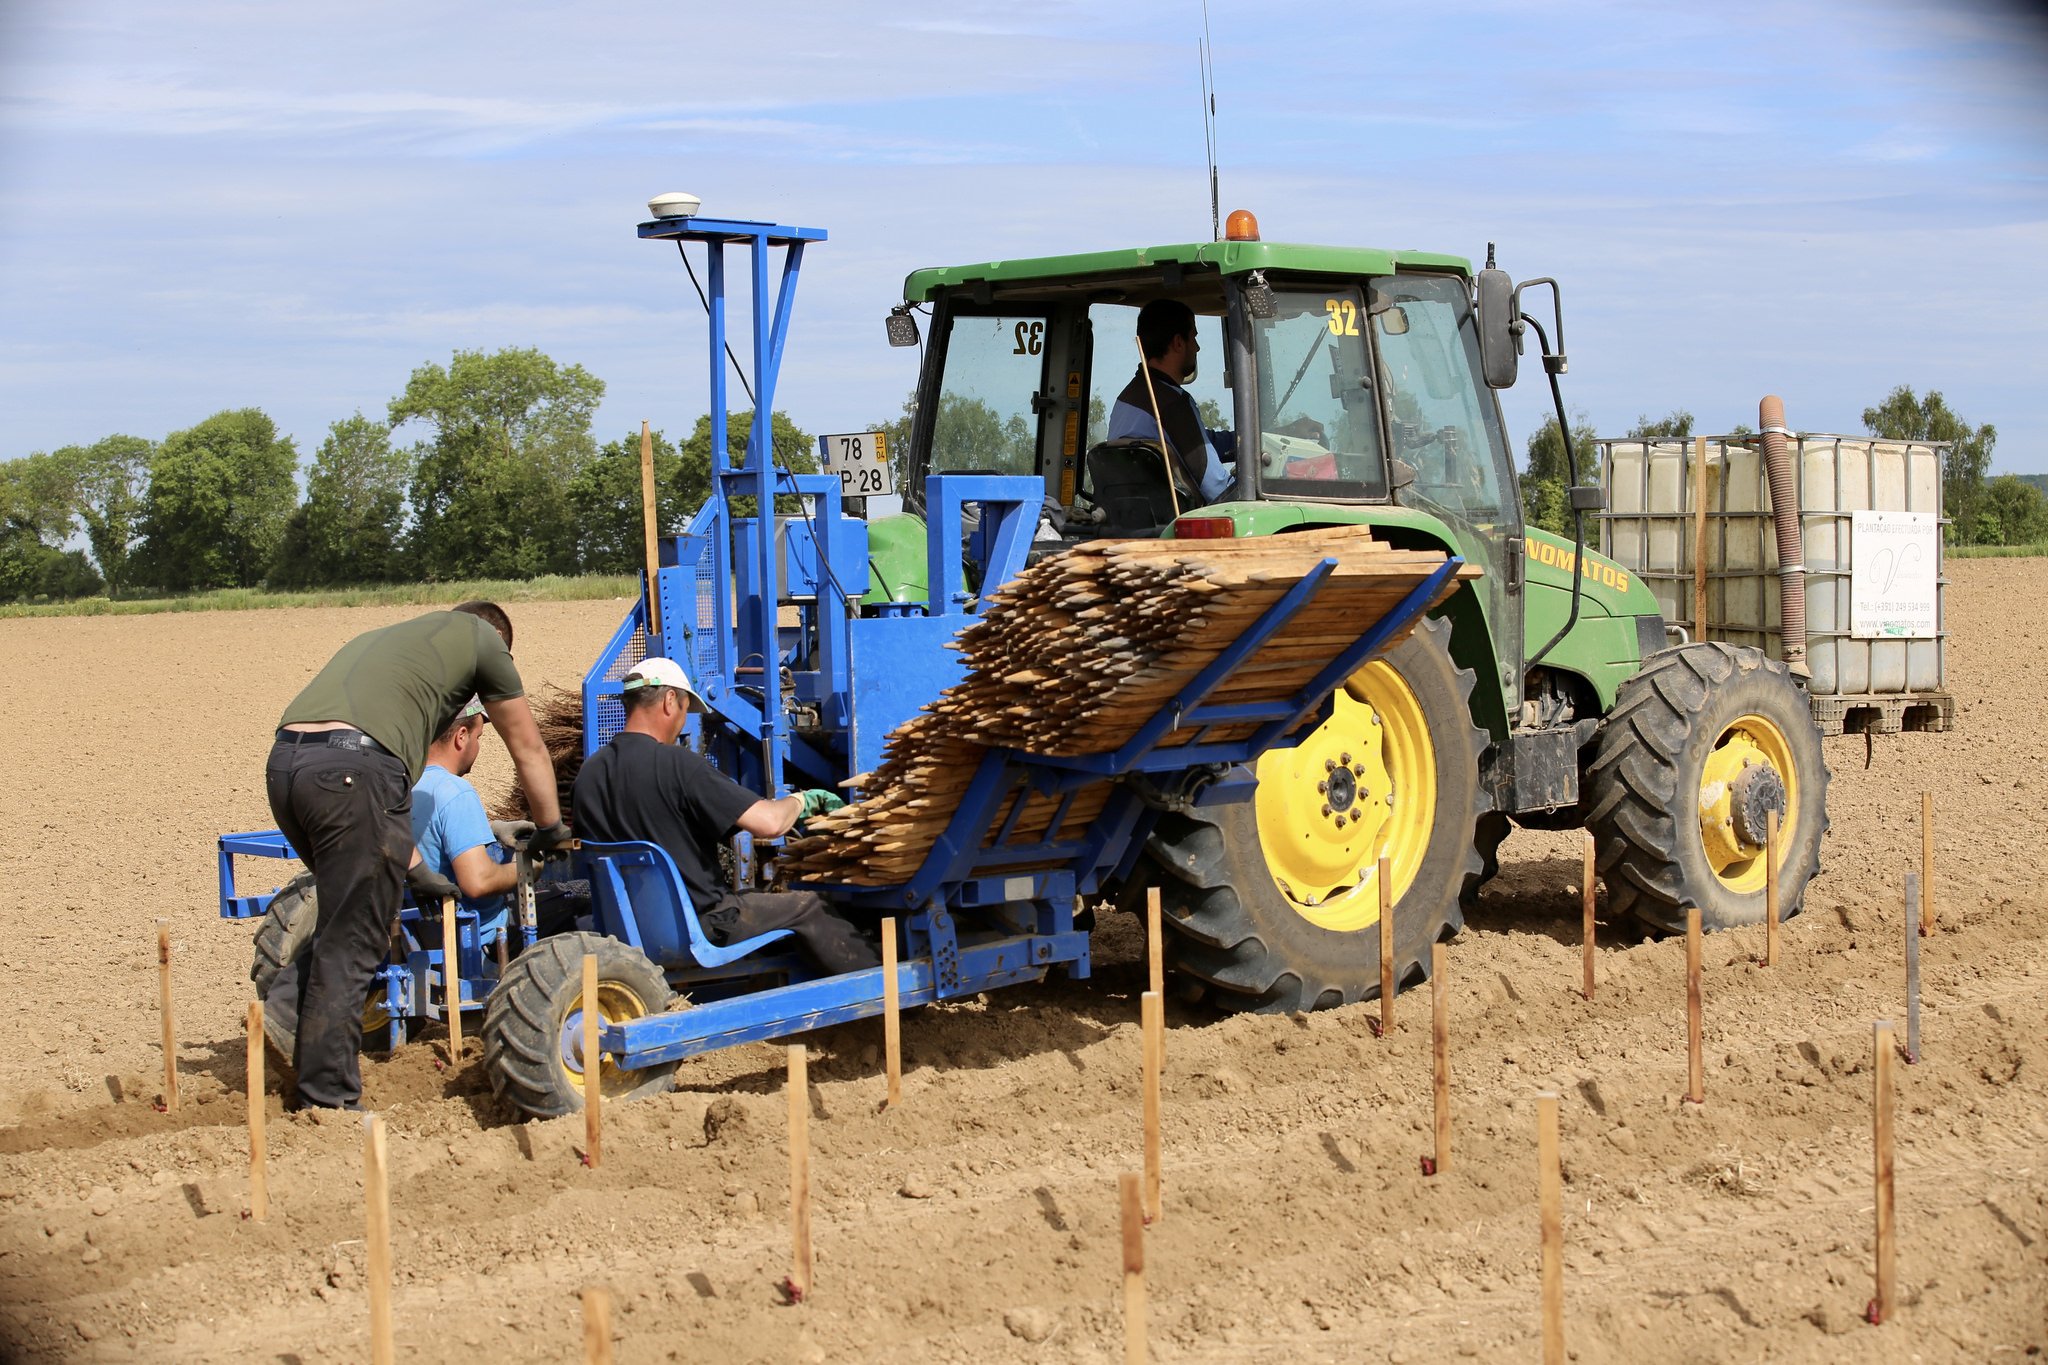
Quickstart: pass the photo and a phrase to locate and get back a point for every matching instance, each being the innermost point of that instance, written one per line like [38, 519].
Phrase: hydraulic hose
[1791, 547]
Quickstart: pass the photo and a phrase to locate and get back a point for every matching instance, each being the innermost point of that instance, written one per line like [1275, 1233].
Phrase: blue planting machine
[802, 683]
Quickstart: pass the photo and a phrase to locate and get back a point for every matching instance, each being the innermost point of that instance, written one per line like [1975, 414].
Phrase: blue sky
[216, 205]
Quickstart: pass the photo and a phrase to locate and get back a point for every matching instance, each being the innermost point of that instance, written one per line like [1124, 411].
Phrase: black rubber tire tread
[1642, 784]
[524, 1017]
[287, 927]
[1229, 926]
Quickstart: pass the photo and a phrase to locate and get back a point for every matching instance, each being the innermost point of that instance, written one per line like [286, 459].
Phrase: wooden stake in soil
[1926, 862]
[163, 973]
[1699, 538]
[1129, 1204]
[259, 1177]
[1771, 912]
[892, 1020]
[1588, 892]
[597, 1326]
[377, 1238]
[1550, 1199]
[1440, 1056]
[1386, 880]
[1881, 1133]
[799, 1087]
[593, 1067]
[1152, 1012]
[1912, 970]
[649, 533]
[1154, 947]
[451, 976]
[1695, 1068]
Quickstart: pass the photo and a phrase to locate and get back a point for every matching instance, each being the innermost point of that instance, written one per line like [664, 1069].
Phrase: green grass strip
[548, 588]
[1999, 551]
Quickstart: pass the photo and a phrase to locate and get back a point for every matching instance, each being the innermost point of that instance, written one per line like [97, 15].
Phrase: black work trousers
[824, 937]
[348, 813]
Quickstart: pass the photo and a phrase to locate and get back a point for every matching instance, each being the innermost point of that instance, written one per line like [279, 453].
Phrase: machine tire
[1230, 925]
[528, 1016]
[286, 929]
[281, 941]
[1656, 755]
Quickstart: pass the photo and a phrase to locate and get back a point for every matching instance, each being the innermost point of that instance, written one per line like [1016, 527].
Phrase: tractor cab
[1339, 384]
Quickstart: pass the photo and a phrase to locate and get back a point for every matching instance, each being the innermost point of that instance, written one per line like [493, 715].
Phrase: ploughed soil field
[978, 1222]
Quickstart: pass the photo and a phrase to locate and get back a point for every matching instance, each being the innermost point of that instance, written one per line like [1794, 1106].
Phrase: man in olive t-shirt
[340, 778]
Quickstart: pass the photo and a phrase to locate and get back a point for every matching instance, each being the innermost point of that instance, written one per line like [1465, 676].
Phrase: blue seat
[638, 897]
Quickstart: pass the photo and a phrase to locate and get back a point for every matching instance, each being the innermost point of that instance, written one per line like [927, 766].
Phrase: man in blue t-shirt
[454, 836]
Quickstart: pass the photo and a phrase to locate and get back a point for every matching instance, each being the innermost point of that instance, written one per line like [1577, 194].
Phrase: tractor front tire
[533, 1024]
[1703, 742]
[1273, 906]
[286, 929]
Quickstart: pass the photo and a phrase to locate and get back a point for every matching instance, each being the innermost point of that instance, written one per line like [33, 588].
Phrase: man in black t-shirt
[643, 786]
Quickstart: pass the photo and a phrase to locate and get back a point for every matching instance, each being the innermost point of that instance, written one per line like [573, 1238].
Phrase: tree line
[503, 478]
[2010, 509]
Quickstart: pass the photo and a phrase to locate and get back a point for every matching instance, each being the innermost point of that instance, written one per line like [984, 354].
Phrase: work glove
[513, 833]
[818, 801]
[548, 838]
[429, 888]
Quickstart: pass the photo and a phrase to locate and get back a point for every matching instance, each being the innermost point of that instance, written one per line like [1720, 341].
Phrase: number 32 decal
[1343, 317]
[1030, 338]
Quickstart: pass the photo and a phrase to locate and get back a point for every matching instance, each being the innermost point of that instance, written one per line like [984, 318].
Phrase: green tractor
[1547, 692]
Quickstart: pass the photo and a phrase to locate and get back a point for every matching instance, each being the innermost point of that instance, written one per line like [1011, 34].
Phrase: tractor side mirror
[1500, 328]
[902, 326]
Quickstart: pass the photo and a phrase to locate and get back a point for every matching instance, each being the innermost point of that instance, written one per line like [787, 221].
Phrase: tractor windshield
[1319, 432]
[1445, 424]
[985, 422]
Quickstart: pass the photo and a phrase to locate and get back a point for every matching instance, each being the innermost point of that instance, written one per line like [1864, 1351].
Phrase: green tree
[1546, 499]
[605, 497]
[219, 496]
[35, 518]
[896, 430]
[508, 432]
[108, 480]
[2014, 512]
[1903, 417]
[348, 529]
[1674, 425]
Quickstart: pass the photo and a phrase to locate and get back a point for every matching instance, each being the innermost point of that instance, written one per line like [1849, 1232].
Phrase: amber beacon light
[1241, 226]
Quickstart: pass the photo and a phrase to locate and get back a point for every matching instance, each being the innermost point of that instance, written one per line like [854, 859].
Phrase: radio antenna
[1205, 51]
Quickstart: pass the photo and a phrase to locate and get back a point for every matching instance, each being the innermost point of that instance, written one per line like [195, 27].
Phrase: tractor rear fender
[1472, 635]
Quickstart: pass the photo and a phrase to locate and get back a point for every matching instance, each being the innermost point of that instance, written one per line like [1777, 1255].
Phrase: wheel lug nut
[1328, 766]
[1358, 770]
[1345, 759]
[1322, 786]
[1326, 810]
[1340, 822]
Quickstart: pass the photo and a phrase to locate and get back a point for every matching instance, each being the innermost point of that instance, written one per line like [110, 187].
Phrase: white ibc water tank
[1649, 527]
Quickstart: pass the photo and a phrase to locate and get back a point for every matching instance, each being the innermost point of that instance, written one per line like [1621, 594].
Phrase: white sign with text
[861, 460]
[1894, 571]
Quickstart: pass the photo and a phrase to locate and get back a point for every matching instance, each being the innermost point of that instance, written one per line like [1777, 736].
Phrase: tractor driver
[340, 777]
[1166, 335]
[645, 786]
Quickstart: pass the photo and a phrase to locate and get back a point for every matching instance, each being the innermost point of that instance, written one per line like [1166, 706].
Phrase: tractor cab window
[985, 424]
[1319, 433]
[1444, 422]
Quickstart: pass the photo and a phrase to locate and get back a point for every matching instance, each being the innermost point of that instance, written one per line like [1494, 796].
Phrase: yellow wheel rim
[1361, 786]
[617, 1003]
[1734, 848]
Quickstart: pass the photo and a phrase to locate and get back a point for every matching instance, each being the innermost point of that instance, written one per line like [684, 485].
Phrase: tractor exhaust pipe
[1791, 546]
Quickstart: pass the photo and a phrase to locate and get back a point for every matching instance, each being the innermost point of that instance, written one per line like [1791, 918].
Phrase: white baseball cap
[660, 673]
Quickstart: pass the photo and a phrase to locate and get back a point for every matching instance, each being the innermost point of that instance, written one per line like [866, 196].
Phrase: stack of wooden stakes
[1075, 653]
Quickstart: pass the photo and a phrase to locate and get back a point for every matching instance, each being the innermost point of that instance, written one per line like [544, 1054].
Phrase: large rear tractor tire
[533, 1024]
[1701, 745]
[1272, 904]
[281, 942]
